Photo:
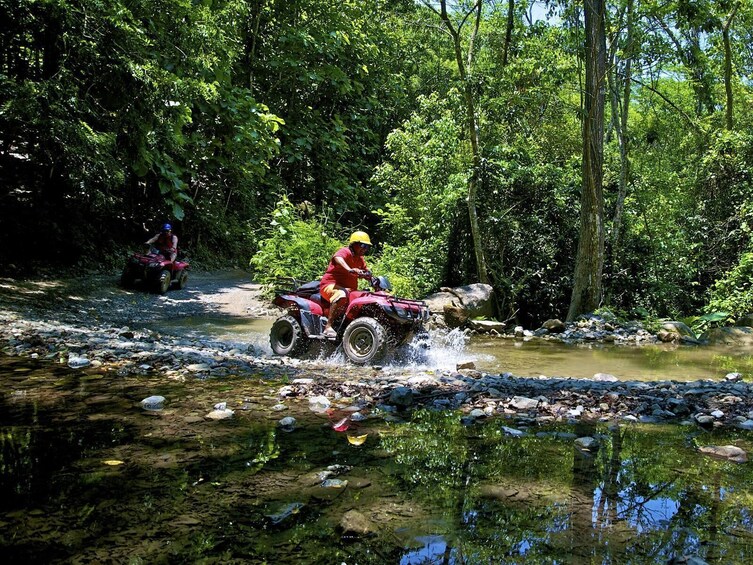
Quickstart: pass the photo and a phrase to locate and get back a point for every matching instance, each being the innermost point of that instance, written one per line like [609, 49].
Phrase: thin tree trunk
[508, 31]
[589, 260]
[623, 139]
[473, 134]
[729, 114]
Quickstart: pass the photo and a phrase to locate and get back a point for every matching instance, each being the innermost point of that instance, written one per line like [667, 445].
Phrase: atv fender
[296, 302]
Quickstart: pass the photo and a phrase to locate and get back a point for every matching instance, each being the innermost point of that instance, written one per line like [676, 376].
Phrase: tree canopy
[459, 134]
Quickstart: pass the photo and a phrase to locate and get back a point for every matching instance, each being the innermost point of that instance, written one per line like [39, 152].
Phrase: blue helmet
[167, 227]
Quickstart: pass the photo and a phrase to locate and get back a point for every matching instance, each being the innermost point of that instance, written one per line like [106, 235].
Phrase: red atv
[373, 323]
[154, 270]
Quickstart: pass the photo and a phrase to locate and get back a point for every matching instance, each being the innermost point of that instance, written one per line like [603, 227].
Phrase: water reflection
[89, 476]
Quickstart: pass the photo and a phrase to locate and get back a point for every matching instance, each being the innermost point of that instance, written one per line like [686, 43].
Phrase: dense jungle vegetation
[574, 155]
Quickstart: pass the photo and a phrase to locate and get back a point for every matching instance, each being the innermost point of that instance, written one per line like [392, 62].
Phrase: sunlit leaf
[357, 440]
[113, 462]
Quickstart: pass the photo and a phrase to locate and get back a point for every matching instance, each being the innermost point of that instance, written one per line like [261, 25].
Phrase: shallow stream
[89, 476]
[522, 358]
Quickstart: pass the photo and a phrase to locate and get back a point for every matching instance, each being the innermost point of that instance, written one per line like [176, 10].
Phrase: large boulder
[672, 331]
[731, 335]
[475, 299]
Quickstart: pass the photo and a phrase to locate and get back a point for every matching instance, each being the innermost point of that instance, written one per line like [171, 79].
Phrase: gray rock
[353, 523]
[728, 452]
[153, 403]
[401, 396]
[287, 424]
[224, 414]
[734, 335]
[554, 326]
[319, 403]
[513, 432]
[605, 377]
[524, 403]
[487, 326]
[587, 443]
[704, 420]
[75, 362]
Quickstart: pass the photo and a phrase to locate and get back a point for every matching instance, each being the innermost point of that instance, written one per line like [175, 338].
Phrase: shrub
[293, 245]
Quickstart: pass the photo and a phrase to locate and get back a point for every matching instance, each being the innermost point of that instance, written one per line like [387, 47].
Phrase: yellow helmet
[359, 237]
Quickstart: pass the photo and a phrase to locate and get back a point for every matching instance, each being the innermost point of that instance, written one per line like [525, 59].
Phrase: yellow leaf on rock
[357, 440]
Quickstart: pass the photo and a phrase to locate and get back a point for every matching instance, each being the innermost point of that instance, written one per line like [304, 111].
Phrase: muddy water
[529, 358]
[89, 476]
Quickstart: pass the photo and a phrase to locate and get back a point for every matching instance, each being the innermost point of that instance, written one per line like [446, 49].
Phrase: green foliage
[425, 177]
[733, 293]
[293, 246]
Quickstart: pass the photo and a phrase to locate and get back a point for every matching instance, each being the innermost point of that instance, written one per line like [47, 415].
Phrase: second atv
[155, 270]
[374, 321]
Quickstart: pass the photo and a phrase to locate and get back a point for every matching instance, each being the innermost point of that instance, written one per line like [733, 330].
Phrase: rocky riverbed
[93, 325]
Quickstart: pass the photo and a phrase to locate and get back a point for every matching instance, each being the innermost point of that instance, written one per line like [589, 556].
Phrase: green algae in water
[429, 490]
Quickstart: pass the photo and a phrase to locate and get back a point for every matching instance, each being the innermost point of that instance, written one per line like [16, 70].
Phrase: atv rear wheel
[162, 284]
[287, 337]
[364, 341]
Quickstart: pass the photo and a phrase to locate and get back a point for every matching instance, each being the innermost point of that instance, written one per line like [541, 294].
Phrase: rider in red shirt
[342, 276]
[165, 242]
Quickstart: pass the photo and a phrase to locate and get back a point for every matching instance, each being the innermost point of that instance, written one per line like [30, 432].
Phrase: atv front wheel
[162, 284]
[287, 337]
[182, 280]
[364, 341]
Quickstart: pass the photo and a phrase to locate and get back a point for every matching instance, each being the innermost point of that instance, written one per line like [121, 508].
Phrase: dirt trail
[100, 297]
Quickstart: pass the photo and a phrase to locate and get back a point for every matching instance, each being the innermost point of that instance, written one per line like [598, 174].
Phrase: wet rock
[465, 365]
[687, 560]
[153, 403]
[524, 403]
[704, 420]
[223, 414]
[554, 326]
[319, 404]
[285, 512]
[287, 424]
[353, 523]
[487, 326]
[401, 397]
[728, 452]
[513, 432]
[733, 335]
[746, 425]
[78, 362]
[334, 483]
[455, 317]
[605, 378]
[587, 443]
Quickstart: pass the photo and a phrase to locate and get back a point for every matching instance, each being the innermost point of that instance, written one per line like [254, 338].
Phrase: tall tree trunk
[589, 260]
[729, 114]
[473, 134]
[508, 31]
